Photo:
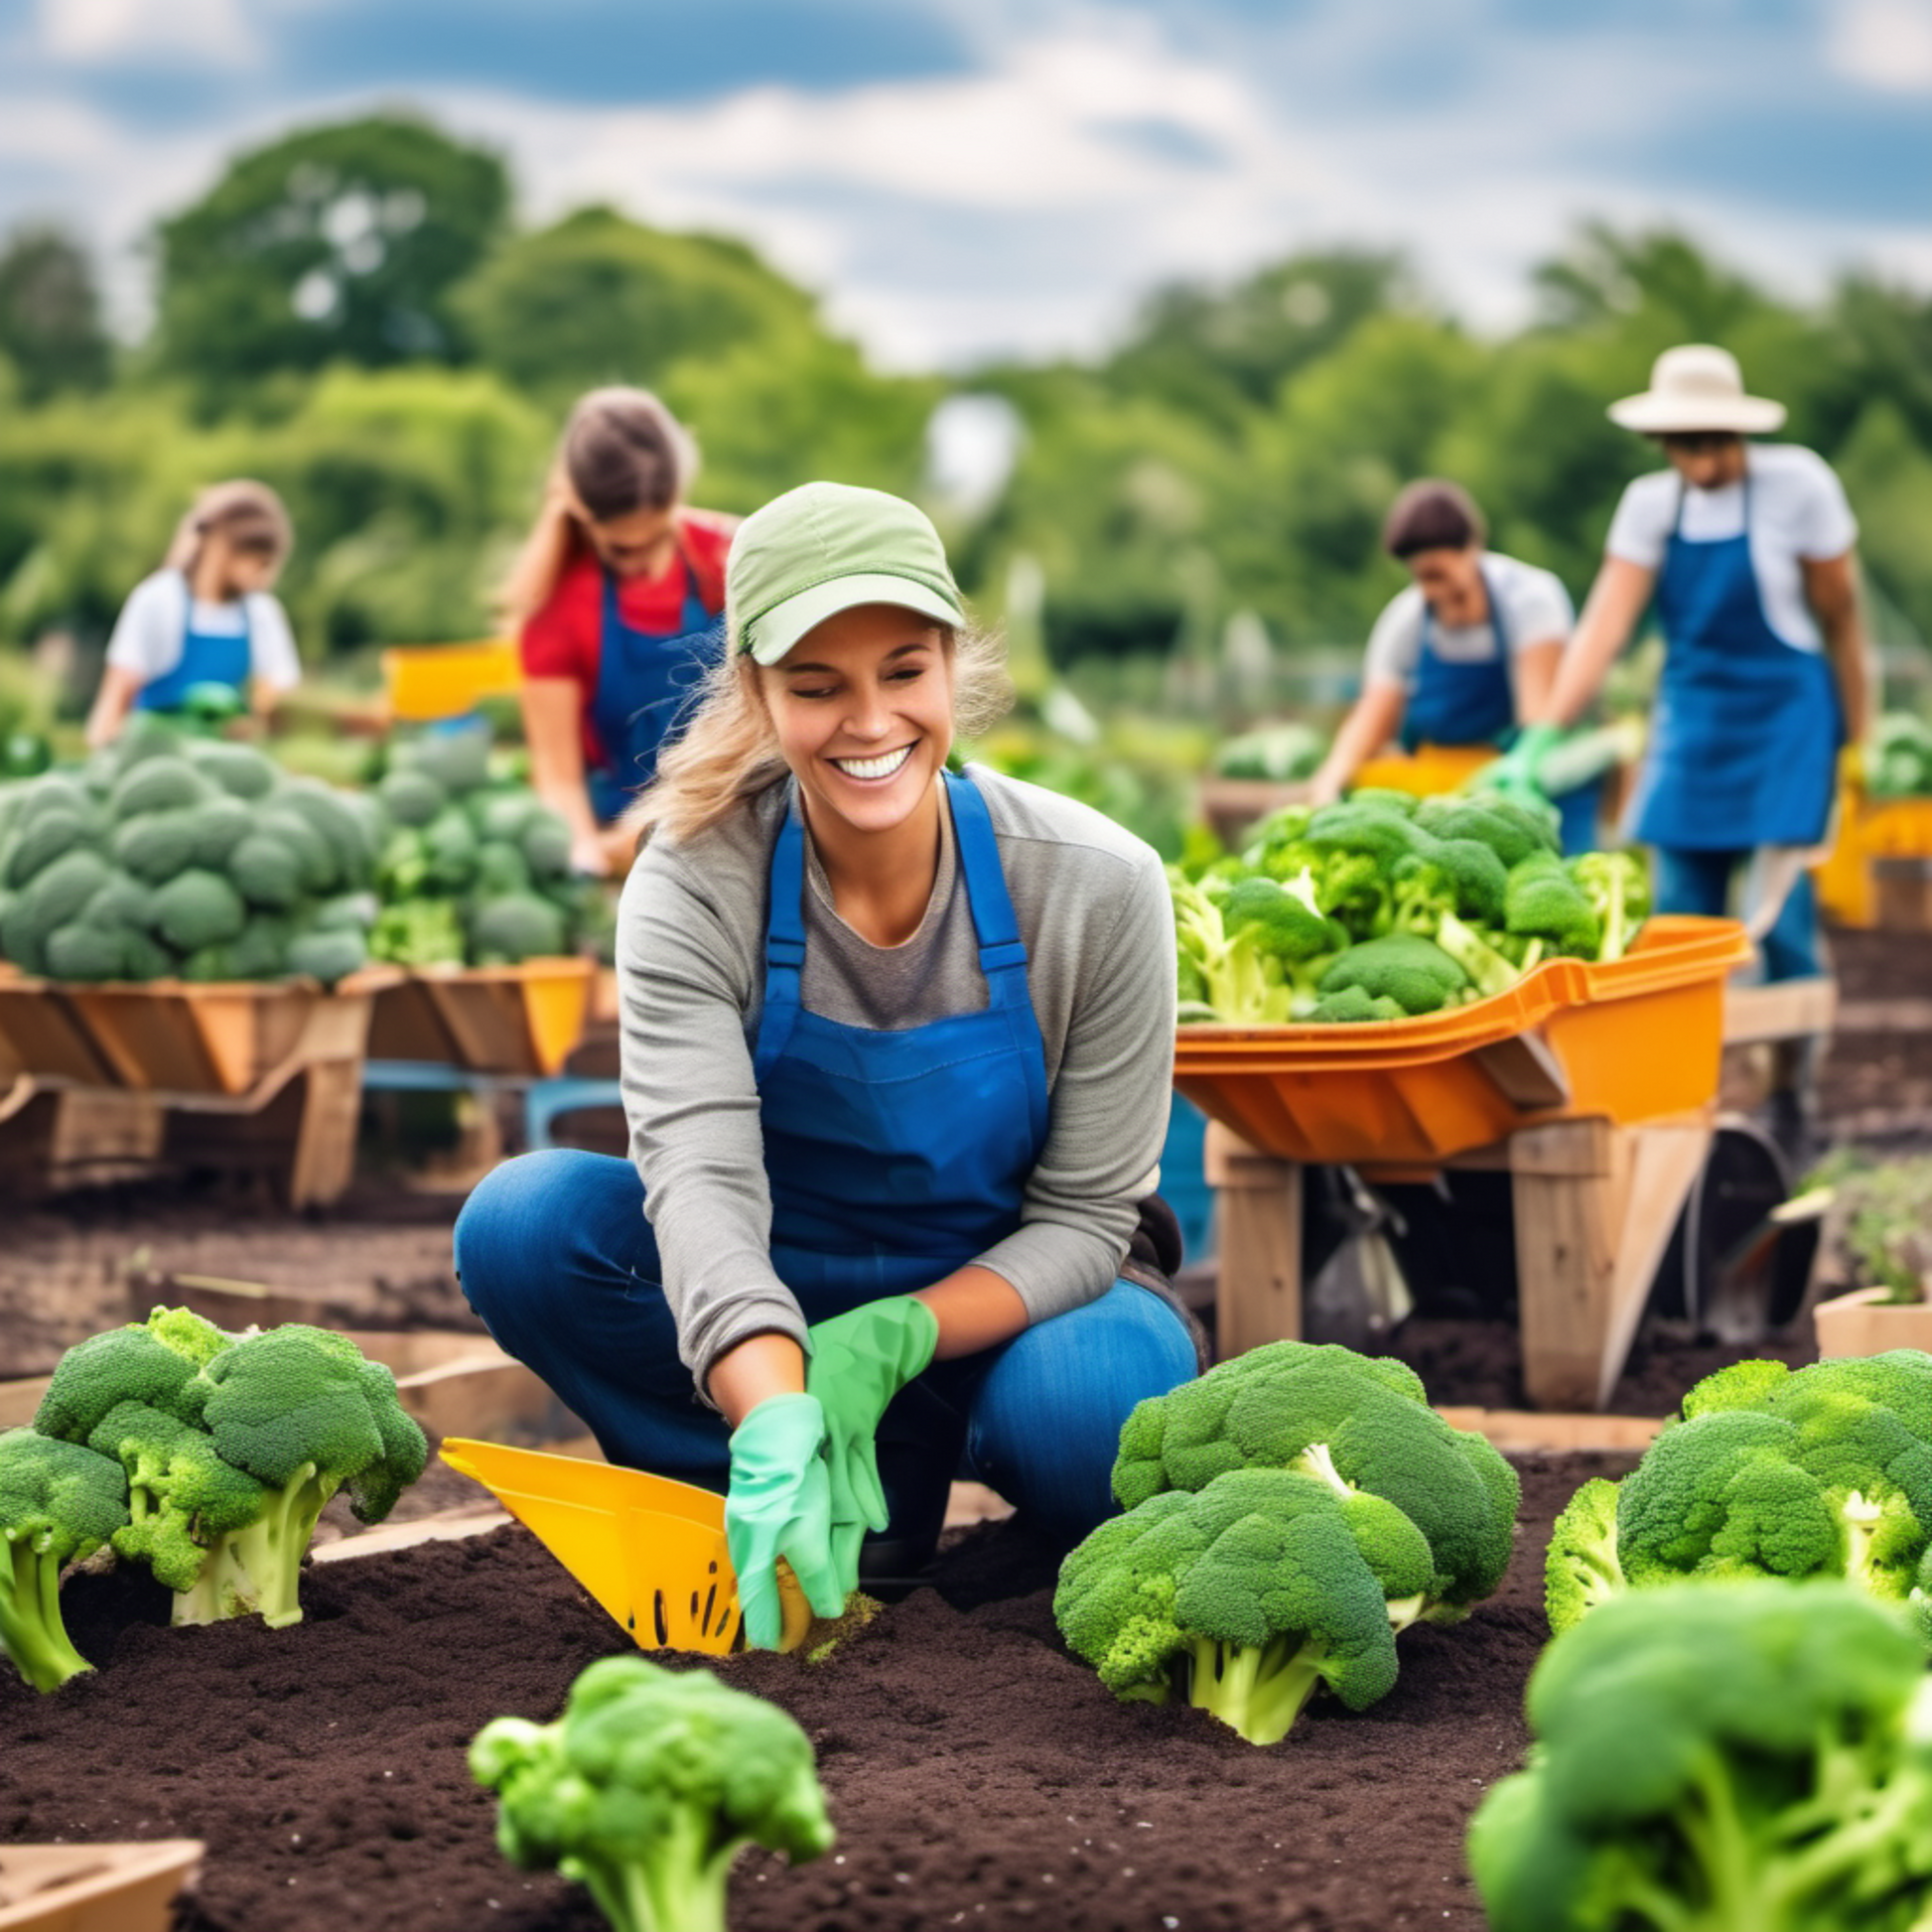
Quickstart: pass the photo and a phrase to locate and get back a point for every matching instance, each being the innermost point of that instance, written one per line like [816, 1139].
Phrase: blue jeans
[1699, 882]
[554, 1253]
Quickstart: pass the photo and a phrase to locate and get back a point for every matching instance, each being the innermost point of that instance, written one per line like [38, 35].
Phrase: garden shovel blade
[650, 1550]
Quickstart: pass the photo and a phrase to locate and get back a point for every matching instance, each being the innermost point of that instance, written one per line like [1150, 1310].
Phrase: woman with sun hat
[898, 1044]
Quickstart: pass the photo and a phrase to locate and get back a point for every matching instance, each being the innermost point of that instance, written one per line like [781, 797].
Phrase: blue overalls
[1744, 742]
[207, 657]
[893, 1158]
[1457, 703]
[644, 685]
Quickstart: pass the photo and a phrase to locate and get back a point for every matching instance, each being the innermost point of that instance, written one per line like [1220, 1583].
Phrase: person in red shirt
[619, 594]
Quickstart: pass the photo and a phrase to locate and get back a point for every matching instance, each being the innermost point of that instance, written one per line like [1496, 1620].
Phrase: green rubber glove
[857, 1363]
[1517, 773]
[779, 1505]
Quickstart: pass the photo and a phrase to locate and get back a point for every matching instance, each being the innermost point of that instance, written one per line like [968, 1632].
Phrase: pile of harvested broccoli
[475, 870]
[1288, 1514]
[167, 856]
[1819, 1471]
[205, 1455]
[1747, 1757]
[1384, 907]
[649, 1786]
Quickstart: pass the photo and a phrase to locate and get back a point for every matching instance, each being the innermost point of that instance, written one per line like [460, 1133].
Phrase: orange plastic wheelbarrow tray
[1635, 1040]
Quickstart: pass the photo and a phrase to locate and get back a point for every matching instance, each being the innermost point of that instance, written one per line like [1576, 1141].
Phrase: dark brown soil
[977, 1774]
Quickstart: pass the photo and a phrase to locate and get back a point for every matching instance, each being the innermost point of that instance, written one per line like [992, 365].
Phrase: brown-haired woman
[207, 617]
[617, 596]
[1464, 654]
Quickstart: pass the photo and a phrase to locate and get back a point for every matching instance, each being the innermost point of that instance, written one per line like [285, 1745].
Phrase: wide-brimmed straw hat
[1696, 387]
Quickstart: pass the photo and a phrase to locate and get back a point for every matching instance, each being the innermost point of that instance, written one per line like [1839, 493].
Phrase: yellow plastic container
[1867, 829]
[1427, 770]
[1635, 1040]
[422, 682]
[650, 1550]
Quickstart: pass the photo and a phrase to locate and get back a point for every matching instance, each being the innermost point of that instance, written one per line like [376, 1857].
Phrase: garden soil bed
[977, 1774]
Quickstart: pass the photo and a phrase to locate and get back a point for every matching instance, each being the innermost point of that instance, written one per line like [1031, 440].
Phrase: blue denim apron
[1456, 703]
[1744, 743]
[645, 684]
[207, 657]
[897, 1157]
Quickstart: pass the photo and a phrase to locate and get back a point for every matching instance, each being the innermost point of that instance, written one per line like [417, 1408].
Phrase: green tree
[597, 297]
[339, 243]
[50, 313]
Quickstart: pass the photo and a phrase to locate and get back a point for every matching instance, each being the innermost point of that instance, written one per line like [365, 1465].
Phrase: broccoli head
[1619, 890]
[157, 1362]
[1746, 1758]
[1414, 972]
[1580, 1568]
[647, 1787]
[303, 1412]
[1510, 829]
[1357, 1423]
[1246, 1597]
[1544, 902]
[59, 1503]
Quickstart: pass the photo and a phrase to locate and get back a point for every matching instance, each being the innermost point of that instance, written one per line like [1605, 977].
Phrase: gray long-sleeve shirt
[1094, 912]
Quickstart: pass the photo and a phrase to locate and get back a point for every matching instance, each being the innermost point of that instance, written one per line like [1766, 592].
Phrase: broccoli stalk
[647, 1787]
[1489, 972]
[259, 1567]
[1257, 1691]
[32, 1630]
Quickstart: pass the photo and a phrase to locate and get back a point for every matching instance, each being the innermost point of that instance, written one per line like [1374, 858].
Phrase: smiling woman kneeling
[896, 1053]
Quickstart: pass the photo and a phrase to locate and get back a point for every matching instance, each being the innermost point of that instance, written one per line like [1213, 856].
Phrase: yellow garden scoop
[650, 1549]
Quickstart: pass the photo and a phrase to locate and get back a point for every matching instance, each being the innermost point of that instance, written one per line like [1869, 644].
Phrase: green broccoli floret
[157, 785]
[1545, 903]
[84, 952]
[1248, 946]
[261, 952]
[121, 903]
[1364, 825]
[1357, 1422]
[456, 760]
[333, 817]
[185, 1505]
[198, 908]
[412, 797]
[546, 844]
[267, 872]
[516, 927]
[55, 896]
[1414, 972]
[1746, 1758]
[327, 956]
[502, 868]
[304, 1413]
[216, 828]
[1619, 890]
[55, 824]
[157, 1361]
[156, 845]
[1580, 1568]
[1510, 829]
[502, 816]
[317, 861]
[238, 770]
[59, 1503]
[1352, 1006]
[647, 1787]
[1245, 1598]
[418, 932]
[450, 843]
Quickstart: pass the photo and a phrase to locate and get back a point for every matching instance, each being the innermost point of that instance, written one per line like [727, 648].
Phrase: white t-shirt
[148, 634]
[1798, 512]
[1535, 607]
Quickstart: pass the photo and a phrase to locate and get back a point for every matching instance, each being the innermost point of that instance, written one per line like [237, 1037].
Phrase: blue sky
[963, 177]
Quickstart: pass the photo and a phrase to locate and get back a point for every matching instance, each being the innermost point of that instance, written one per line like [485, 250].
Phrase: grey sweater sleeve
[1109, 1104]
[685, 966]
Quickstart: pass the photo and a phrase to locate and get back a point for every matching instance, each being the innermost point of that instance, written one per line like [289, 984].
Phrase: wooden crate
[118, 1888]
[1867, 1322]
[514, 1021]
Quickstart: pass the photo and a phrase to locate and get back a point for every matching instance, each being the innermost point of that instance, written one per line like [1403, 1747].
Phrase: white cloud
[1026, 207]
[1885, 44]
[89, 31]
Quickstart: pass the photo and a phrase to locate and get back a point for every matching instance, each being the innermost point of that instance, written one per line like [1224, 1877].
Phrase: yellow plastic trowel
[650, 1549]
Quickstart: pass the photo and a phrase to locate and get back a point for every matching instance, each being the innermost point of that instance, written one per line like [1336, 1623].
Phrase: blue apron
[896, 1157]
[1745, 741]
[644, 685]
[1460, 704]
[1455, 702]
[207, 657]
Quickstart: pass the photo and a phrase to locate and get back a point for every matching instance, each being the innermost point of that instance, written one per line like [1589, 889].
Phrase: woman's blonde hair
[730, 751]
[620, 451]
[248, 514]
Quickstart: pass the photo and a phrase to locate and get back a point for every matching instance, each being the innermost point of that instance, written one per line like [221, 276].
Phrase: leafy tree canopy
[50, 313]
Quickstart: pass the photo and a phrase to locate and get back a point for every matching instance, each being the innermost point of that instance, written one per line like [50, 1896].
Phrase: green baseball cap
[828, 547]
